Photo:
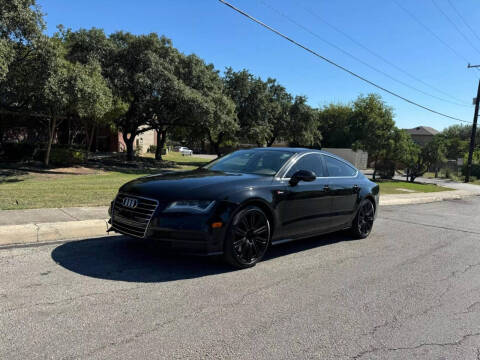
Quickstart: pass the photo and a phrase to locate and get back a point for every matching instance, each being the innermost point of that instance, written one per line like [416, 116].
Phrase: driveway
[205, 156]
[409, 291]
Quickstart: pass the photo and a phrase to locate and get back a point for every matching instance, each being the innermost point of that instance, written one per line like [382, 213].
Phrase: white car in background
[185, 151]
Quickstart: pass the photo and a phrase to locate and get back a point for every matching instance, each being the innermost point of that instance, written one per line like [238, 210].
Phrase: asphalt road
[410, 291]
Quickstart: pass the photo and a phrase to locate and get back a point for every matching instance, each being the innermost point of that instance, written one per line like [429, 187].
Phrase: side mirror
[302, 175]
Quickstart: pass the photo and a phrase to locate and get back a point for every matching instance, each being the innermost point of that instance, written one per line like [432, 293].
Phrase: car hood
[193, 185]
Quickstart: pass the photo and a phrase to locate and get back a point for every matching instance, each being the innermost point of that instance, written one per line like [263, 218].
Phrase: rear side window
[312, 162]
[338, 168]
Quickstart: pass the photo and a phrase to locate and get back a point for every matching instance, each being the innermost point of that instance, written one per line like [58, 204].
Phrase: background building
[422, 135]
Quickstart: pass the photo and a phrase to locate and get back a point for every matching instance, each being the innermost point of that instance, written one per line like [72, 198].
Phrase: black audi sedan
[240, 204]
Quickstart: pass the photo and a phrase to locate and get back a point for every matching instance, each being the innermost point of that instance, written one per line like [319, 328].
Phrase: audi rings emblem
[129, 202]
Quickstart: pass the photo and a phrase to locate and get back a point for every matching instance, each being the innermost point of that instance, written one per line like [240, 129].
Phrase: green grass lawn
[70, 190]
[186, 162]
[395, 187]
[40, 190]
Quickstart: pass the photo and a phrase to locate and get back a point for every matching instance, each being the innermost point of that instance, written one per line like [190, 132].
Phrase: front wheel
[363, 222]
[247, 238]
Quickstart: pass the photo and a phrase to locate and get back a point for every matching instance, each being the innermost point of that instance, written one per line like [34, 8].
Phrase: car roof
[291, 149]
[299, 150]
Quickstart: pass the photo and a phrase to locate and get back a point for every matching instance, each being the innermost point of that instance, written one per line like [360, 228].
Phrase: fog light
[217, 225]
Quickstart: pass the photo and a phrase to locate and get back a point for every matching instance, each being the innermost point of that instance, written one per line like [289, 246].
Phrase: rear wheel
[247, 238]
[363, 222]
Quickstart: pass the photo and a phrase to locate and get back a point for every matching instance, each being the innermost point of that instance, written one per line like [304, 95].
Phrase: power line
[430, 31]
[455, 26]
[463, 20]
[405, 72]
[335, 64]
[360, 60]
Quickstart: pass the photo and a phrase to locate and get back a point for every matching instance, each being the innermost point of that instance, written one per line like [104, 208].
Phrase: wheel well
[268, 212]
[371, 198]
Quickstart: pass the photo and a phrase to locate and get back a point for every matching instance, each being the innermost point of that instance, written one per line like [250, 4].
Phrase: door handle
[326, 188]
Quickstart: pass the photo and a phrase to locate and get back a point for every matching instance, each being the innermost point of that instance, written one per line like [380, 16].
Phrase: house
[142, 141]
[422, 135]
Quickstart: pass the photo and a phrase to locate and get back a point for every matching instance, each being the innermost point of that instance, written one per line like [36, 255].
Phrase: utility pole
[474, 131]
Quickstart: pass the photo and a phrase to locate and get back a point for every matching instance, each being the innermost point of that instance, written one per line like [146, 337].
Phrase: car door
[305, 208]
[344, 190]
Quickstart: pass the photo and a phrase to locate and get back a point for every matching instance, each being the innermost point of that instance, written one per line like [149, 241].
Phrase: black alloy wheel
[248, 237]
[363, 223]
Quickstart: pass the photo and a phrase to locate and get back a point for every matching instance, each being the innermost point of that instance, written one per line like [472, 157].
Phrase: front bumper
[181, 232]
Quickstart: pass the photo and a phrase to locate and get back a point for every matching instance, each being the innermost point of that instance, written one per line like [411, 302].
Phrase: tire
[248, 238]
[363, 223]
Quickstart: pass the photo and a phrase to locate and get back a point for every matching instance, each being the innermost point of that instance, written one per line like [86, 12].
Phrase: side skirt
[282, 241]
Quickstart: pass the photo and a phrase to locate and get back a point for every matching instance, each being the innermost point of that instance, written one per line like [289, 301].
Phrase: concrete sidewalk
[58, 224]
[34, 216]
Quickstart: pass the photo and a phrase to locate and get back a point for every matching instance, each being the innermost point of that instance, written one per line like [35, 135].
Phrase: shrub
[17, 151]
[138, 150]
[475, 170]
[63, 155]
[386, 169]
[152, 149]
[66, 156]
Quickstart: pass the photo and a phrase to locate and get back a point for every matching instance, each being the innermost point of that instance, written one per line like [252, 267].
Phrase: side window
[312, 162]
[338, 168]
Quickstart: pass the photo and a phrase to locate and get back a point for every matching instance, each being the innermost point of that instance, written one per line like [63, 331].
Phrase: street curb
[424, 198]
[45, 233]
[50, 232]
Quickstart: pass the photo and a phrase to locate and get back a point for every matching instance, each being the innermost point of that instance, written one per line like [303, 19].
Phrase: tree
[53, 98]
[278, 108]
[136, 71]
[303, 124]
[335, 124]
[21, 22]
[86, 46]
[251, 103]
[21, 41]
[406, 152]
[90, 98]
[373, 126]
[213, 112]
[434, 153]
[171, 108]
[457, 140]
[220, 122]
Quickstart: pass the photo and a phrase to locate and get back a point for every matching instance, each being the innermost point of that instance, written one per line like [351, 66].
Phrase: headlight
[190, 206]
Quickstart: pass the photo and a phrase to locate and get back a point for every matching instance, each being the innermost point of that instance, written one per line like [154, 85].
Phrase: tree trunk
[216, 147]
[69, 141]
[129, 145]
[271, 141]
[216, 144]
[52, 125]
[436, 172]
[161, 140]
[374, 169]
[89, 138]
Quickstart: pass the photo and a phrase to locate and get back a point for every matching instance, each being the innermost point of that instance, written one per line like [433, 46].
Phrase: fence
[358, 158]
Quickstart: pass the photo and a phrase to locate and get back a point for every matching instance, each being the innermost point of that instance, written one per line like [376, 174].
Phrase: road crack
[373, 350]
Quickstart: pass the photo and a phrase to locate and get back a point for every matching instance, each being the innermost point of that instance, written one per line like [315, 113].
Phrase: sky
[434, 54]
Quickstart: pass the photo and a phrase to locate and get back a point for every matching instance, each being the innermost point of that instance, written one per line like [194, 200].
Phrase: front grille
[133, 221]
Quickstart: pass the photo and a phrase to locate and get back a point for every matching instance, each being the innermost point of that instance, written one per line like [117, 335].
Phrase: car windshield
[260, 162]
